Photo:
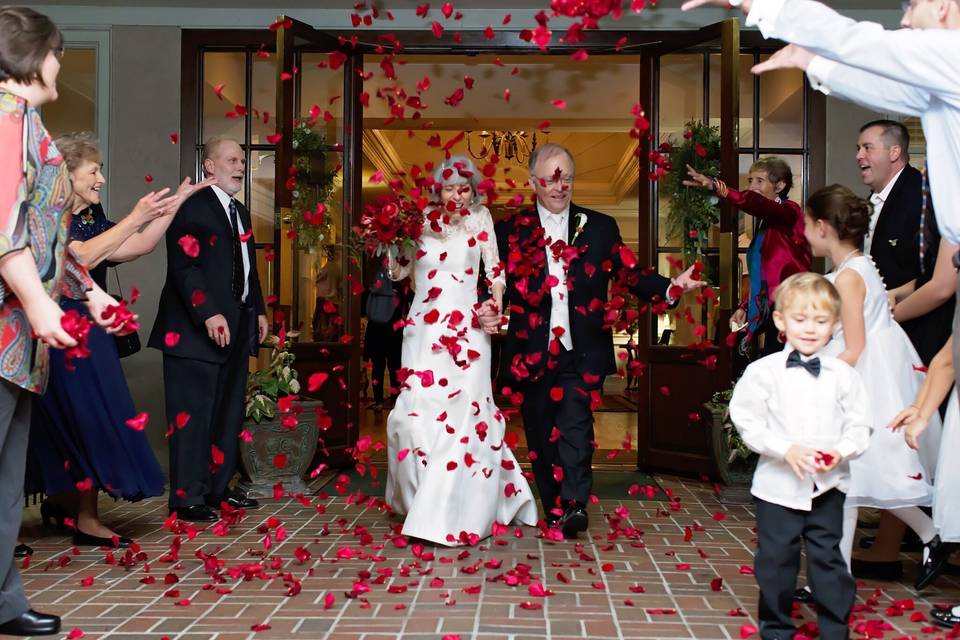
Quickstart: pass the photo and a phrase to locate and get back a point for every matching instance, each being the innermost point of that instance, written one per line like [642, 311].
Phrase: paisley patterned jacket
[35, 198]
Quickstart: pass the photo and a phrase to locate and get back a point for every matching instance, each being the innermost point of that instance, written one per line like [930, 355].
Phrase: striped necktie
[236, 281]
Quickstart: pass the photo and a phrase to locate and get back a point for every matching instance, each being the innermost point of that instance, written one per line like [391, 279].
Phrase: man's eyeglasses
[564, 180]
[908, 5]
[59, 53]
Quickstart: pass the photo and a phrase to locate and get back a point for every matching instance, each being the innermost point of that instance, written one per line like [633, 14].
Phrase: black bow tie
[812, 365]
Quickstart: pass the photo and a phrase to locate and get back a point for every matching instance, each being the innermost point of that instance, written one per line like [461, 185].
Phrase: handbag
[129, 344]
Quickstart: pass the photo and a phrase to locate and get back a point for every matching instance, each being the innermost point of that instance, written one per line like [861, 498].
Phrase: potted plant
[311, 184]
[735, 461]
[280, 432]
[691, 212]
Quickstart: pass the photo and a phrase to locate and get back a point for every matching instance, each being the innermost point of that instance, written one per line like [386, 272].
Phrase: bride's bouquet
[390, 225]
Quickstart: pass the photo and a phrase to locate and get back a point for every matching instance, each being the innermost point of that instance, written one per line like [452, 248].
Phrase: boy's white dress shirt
[774, 408]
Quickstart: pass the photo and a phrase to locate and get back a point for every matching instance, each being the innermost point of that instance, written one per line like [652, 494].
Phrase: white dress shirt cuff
[818, 72]
[763, 15]
[666, 295]
[847, 448]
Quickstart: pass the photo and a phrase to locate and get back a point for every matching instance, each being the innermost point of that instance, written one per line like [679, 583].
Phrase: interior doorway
[502, 112]
[483, 91]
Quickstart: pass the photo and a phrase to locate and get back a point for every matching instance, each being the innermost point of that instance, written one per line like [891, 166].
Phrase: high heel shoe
[52, 515]
[82, 539]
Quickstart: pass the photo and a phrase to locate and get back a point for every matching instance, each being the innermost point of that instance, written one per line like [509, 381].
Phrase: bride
[449, 469]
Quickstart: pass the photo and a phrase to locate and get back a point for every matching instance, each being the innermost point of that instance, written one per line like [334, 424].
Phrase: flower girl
[890, 475]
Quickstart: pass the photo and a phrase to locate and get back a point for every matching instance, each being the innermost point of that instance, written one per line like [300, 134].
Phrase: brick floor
[649, 584]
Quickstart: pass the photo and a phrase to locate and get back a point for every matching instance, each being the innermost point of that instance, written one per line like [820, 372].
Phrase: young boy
[805, 414]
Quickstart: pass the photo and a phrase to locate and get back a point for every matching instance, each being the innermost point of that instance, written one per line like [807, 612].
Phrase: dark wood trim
[282, 197]
[646, 240]
[816, 140]
[473, 42]
[730, 152]
[352, 198]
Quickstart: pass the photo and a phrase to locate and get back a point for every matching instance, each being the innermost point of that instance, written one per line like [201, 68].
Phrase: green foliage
[735, 444]
[276, 380]
[309, 160]
[692, 211]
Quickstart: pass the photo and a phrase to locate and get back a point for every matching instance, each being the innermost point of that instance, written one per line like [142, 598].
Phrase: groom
[559, 260]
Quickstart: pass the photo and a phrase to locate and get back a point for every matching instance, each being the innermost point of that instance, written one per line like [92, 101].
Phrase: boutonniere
[893, 242]
[581, 223]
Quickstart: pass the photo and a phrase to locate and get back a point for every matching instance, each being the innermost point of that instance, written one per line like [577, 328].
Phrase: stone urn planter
[284, 431]
[735, 463]
[278, 454]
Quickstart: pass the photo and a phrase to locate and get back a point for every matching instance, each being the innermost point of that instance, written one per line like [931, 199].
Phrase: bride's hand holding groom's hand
[489, 316]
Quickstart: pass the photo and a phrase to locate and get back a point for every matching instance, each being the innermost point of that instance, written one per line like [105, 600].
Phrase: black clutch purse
[129, 344]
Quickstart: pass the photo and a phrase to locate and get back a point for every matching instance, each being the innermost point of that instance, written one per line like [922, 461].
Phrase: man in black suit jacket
[896, 192]
[559, 260]
[211, 319]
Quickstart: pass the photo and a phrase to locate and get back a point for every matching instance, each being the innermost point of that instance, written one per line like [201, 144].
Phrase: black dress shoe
[197, 513]
[574, 520]
[82, 539]
[935, 555]
[877, 569]
[945, 617]
[242, 502]
[551, 520]
[804, 595]
[31, 623]
[22, 551]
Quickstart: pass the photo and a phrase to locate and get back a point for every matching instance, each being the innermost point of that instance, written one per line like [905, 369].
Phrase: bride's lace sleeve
[397, 270]
[492, 267]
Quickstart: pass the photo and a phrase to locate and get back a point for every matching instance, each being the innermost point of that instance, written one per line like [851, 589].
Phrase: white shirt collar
[546, 215]
[885, 192]
[223, 197]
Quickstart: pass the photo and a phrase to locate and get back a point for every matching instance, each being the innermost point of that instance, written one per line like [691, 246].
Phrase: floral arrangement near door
[691, 212]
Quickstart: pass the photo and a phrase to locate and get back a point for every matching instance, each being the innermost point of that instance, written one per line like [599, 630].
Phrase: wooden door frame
[652, 457]
[194, 41]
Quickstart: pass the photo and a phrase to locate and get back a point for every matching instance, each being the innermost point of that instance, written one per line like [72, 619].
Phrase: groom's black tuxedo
[529, 302]
[562, 465]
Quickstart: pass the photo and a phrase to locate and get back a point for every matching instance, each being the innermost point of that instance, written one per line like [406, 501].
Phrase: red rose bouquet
[389, 225]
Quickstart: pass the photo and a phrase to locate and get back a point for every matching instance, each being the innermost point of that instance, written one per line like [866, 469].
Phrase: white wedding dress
[889, 475]
[449, 469]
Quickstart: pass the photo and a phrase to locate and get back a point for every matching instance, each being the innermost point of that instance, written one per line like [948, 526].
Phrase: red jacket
[785, 249]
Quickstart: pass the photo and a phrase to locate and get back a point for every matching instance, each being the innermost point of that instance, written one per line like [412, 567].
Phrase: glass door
[316, 196]
[685, 364]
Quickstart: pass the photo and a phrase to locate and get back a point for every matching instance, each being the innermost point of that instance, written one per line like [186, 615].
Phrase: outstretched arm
[926, 56]
[758, 206]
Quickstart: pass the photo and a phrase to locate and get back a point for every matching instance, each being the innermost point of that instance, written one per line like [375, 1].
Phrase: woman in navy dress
[80, 440]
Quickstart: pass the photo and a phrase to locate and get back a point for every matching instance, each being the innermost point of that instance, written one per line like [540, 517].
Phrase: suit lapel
[571, 222]
[890, 206]
[217, 209]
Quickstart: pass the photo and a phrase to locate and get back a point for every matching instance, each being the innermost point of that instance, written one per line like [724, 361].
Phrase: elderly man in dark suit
[560, 259]
[210, 321]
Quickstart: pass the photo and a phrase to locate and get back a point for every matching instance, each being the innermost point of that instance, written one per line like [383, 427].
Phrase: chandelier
[512, 145]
